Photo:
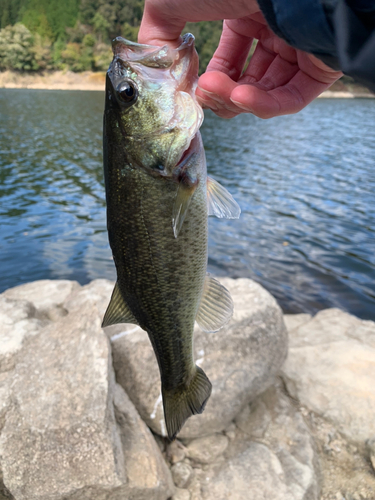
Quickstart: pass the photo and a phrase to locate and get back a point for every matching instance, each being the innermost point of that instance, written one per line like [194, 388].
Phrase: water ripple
[305, 184]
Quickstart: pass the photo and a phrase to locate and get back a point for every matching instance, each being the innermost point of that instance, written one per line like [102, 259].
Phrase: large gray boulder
[68, 430]
[330, 369]
[18, 321]
[241, 360]
[270, 455]
[97, 292]
[47, 296]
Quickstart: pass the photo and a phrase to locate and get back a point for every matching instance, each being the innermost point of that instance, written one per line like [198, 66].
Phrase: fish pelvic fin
[216, 306]
[183, 402]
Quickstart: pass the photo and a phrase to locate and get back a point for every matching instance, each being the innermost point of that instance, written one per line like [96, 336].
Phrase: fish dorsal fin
[220, 202]
[181, 206]
[117, 310]
[216, 307]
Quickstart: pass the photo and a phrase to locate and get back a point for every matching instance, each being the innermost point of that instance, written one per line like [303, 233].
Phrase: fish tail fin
[183, 402]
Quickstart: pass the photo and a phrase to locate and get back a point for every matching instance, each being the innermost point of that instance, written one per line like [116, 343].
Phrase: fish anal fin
[220, 202]
[117, 310]
[181, 206]
[216, 306]
[181, 403]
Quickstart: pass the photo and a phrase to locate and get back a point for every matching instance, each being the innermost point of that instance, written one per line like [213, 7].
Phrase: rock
[17, 319]
[176, 451]
[182, 474]
[330, 369]
[345, 470]
[70, 432]
[254, 419]
[256, 470]
[292, 321]
[207, 449]
[147, 474]
[5, 396]
[46, 295]
[230, 431]
[96, 292]
[371, 449]
[281, 465]
[241, 361]
[181, 494]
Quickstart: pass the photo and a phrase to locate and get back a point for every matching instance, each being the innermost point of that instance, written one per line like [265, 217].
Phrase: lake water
[305, 183]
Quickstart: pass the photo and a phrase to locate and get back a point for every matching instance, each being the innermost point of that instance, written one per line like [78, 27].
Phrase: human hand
[279, 80]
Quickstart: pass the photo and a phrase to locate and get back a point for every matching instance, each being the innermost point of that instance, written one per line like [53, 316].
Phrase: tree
[9, 12]
[101, 25]
[17, 49]
[59, 15]
[77, 57]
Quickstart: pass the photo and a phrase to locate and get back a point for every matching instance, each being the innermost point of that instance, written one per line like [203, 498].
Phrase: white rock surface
[330, 369]
[241, 360]
[278, 463]
[207, 449]
[293, 321]
[43, 294]
[182, 474]
[18, 321]
[97, 292]
[70, 432]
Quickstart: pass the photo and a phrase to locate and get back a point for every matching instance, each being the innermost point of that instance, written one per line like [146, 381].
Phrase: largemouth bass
[158, 199]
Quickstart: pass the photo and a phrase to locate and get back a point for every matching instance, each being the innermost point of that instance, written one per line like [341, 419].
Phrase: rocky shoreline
[68, 80]
[81, 415]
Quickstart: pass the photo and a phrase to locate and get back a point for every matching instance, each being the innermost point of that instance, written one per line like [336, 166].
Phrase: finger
[164, 20]
[220, 109]
[278, 73]
[231, 54]
[157, 29]
[215, 88]
[258, 65]
[287, 99]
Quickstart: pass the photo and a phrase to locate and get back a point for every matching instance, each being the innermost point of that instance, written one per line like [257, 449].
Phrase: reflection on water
[305, 184]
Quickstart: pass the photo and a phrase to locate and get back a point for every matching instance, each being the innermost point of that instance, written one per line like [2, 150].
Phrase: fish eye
[127, 92]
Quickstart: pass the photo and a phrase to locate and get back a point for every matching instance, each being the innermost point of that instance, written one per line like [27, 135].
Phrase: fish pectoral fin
[118, 310]
[181, 206]
[216, 306]
[220, 202]
[185, 401]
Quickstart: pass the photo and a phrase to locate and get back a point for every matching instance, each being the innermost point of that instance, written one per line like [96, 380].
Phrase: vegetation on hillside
[40, 35]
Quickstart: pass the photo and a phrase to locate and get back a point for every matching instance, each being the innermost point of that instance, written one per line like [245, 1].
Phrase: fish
[158, 199]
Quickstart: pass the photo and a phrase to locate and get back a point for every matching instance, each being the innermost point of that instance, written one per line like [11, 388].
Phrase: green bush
[17, 49]
[130, 32]
[42, 52]
[77, 57]
[102, 57]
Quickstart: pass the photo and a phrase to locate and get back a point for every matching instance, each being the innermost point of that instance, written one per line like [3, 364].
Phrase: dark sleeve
[340, 33]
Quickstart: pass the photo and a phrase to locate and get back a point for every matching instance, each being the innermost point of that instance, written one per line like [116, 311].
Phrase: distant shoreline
[67, 80]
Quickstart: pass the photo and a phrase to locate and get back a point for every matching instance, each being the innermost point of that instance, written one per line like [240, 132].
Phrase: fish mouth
[191, 150]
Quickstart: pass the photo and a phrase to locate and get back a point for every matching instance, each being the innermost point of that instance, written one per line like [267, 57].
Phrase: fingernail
[205, 91]
[242, 106]
[212, 96]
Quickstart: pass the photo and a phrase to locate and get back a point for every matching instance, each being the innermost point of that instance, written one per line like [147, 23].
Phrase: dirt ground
[58, 80]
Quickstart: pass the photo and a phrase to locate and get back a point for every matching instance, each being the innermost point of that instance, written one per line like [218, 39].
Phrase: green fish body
[158, 201]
